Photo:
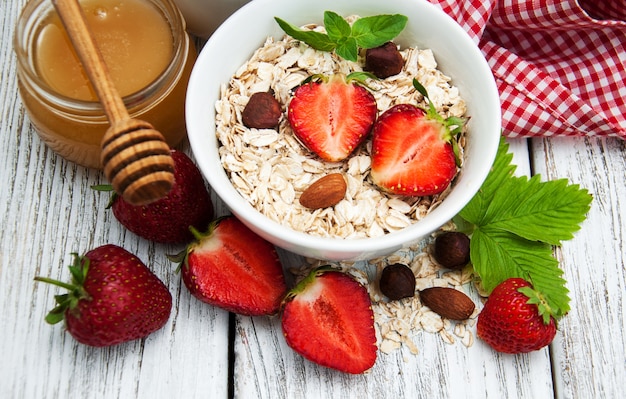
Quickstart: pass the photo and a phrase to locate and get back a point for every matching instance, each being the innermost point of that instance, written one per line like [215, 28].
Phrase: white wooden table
[47, 211]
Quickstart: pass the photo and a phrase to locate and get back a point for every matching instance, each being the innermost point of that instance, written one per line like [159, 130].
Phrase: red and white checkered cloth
[560, 65]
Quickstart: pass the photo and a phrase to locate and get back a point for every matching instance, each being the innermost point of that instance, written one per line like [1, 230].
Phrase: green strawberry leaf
[536, 298]
[420, 88]
[68, 301]
[106, 188]
[501, 170]
[56, 315]
[61, 298]
[360, 77]
[498, 255]
[79, 269]
[544, 211]
[455, 124]
[515, 222]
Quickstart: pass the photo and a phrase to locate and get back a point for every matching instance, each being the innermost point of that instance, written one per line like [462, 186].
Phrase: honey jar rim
[26, 32]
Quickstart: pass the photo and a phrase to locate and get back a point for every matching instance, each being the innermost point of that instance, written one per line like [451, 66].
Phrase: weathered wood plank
[589, 352]
[265, 367]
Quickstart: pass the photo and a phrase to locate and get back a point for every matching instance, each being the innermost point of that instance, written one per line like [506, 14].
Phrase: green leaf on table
[501, 170]
[498, 255]
[514, 223]
[543, 211]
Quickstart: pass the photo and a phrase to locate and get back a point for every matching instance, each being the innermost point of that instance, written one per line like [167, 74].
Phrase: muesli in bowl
[271, 168]
[262, 173]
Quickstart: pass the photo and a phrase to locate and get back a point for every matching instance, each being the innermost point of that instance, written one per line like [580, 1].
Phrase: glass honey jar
[148, 54]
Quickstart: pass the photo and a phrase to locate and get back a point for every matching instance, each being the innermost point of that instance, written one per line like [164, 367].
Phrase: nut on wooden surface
[448, 302]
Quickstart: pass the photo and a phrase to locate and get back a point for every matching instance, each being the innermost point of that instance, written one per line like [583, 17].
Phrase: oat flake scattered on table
[271, 168]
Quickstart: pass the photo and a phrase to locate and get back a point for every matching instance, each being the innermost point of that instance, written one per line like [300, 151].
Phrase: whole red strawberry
[113, 298]
[233, 268]
[414, 151]
[328, 319]
[332, 116]
[511, 321]
[168, 220]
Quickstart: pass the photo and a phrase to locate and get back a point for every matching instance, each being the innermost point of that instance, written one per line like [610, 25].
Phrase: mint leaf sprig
[514, 223]
[346, 39]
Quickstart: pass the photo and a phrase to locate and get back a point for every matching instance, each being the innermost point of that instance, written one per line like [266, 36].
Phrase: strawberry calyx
[302, 284]
[106, 188]
[199, 235]
[357, 77]
[537, 298]
[453, 125]
[77, 292]
[360, 78]
[181, 258]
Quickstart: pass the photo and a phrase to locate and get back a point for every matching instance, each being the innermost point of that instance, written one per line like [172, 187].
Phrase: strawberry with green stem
[514, 223]
[328, 319]
[516, 318]
[415, 150]
[167, 220]
[113, 298]
[332, 116]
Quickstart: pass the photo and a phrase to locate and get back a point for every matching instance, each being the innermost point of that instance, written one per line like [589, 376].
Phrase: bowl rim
[289, 238]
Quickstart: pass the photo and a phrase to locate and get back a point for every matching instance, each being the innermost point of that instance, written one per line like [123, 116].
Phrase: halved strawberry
[331, 116]
[414, 151]
[328, 319]
[233, 268]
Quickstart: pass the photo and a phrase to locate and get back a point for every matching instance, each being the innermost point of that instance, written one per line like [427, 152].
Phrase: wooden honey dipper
[135, 157]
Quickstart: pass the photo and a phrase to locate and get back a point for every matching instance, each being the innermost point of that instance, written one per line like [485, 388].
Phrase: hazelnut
[384, 61]
[397, 281]
[263, 111]
[452, 249]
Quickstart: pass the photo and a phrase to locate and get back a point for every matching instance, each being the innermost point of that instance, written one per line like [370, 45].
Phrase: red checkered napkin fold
[560, 65]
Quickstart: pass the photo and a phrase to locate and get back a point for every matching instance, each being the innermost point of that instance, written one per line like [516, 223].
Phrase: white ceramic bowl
[428, 27]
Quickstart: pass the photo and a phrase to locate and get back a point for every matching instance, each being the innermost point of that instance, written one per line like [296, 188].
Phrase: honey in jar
[147, 52]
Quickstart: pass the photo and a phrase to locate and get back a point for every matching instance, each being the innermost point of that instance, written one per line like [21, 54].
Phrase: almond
[448, 303]
[325, 192]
